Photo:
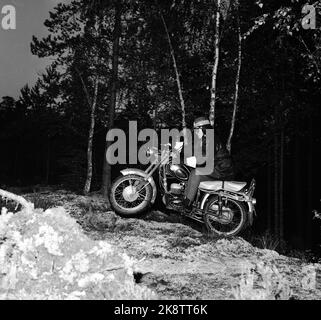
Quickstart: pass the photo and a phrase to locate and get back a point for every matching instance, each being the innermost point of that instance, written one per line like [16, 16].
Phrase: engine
[177, 188]
[177, 177]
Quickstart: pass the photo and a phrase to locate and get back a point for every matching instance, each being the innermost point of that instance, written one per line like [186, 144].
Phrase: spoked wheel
[229, 222]
[129, 197]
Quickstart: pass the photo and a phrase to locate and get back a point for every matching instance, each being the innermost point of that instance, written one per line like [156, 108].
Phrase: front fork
[151, 169]
[149, 173]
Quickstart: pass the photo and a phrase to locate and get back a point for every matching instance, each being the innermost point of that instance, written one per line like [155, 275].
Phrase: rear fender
[142, 174]
[251, 212]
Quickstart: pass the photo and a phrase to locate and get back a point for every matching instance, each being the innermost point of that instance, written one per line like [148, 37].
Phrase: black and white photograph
[160, 154]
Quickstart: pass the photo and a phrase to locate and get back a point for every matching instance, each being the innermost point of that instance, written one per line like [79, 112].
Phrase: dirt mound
[46, 255]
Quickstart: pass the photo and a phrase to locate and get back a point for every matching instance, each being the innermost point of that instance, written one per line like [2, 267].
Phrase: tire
[231, 224]
[135, 208]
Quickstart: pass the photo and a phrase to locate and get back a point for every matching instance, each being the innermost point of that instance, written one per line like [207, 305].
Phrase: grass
[41, 202]
[182, 242]
[267, 241]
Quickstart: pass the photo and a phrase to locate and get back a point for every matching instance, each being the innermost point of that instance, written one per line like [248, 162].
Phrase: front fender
[142, 174]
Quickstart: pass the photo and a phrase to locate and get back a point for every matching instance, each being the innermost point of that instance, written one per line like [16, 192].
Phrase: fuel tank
[179, 172]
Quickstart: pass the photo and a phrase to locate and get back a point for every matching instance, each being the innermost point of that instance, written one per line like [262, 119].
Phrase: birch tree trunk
[178, 80]
[28, 206]
[92, 105]
[91, 139]
[216, 63]
[237, 85]
[106, 178]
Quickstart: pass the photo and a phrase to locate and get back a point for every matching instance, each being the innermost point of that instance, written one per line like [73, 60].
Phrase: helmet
[202, 123]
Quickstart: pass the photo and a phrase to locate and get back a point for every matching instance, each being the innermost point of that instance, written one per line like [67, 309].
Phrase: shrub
[41, 202]
[262, 282]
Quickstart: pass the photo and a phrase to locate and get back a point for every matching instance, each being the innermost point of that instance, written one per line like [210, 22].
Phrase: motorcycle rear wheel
[125, 201]
[230, 223]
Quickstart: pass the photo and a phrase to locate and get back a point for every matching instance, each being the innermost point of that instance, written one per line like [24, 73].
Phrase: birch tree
[106, 176]
[77, 47]
[237, 84]
[178, 80]
[93, 105]
[216, 64]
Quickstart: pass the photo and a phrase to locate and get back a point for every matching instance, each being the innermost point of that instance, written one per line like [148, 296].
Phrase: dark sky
[17, 65]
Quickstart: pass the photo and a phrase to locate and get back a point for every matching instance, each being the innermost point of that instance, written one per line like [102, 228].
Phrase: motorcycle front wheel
[228, 223]
[128, 199]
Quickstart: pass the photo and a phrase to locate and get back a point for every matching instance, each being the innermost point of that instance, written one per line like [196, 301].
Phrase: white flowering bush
[45, 255]
[262, 282]
[309, 278]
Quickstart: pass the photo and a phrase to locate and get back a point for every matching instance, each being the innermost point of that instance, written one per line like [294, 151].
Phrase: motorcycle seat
[222, 185]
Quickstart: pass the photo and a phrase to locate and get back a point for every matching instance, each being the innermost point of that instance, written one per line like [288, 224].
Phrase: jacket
[223, 164]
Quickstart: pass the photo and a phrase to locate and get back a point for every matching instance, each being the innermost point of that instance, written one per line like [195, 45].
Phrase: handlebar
[164, 152]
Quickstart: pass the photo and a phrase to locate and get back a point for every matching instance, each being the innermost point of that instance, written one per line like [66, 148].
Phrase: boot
[188, 205]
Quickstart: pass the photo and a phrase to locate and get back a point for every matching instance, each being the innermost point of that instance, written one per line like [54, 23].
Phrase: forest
[252, 66]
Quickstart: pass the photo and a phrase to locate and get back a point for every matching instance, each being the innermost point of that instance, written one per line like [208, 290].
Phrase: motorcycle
[225, 207]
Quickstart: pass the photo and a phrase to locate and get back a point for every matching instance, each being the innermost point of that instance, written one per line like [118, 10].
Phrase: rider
[223, 166]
